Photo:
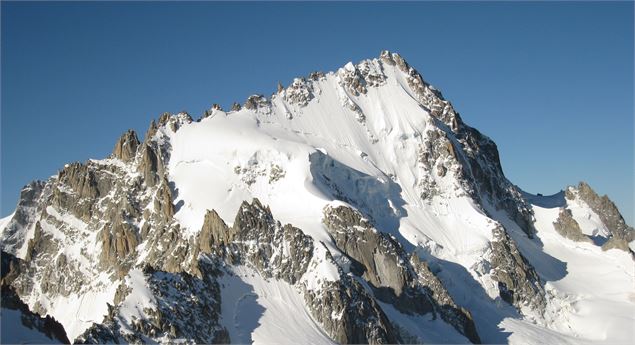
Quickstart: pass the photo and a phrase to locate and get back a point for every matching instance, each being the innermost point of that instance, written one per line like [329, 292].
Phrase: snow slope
[263, 311]
[374, 161]
[595, 300]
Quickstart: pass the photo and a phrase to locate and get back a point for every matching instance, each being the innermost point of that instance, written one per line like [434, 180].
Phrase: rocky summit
[353, 206]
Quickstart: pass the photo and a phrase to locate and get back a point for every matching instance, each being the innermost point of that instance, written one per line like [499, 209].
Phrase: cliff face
[356, 201]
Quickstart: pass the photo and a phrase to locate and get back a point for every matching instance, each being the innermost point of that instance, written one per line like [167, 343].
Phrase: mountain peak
[360, 196]
[126, 147]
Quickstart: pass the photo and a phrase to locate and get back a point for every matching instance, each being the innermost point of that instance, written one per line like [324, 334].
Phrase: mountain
[353, 206]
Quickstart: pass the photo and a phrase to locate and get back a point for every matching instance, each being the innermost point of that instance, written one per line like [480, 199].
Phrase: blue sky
[550, 82]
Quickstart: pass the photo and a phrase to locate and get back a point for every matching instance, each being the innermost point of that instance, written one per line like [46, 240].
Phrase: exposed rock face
[359, 320]
[151, 132]
[119, 242]
[214, 231]
[163, 200]
[285, 252]
[81, 180]
[151, 166]
[299, 92]
[351, 80]
[258, 102]
[518, 282]
[373, 74]
[405, 282]
[75, 191]
[126, 147]
[436, 154]
[566, 226]
[174, 122]
[621, 233]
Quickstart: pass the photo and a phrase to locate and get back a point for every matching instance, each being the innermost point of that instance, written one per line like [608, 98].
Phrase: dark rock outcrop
[300, 92]
[406, 282]
[518, 282]
[620, 233]
[119, 242]
[566, 226]
[359, 319]
[150, 166]
[151, 132]
[351, 80]
[126, 147]
[255, 102]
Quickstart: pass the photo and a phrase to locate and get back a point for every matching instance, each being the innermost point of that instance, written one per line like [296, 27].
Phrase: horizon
[85, 83]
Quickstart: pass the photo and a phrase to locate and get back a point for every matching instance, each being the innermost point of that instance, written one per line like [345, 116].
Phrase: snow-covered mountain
[354, 206]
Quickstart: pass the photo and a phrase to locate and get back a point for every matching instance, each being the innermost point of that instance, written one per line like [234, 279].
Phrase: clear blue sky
[551, 83]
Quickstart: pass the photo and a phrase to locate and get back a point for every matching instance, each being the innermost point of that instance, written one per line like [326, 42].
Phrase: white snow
[595, 300]
[259, 311]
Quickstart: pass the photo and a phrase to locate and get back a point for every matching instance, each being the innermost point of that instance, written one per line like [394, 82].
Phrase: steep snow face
[361, 148]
